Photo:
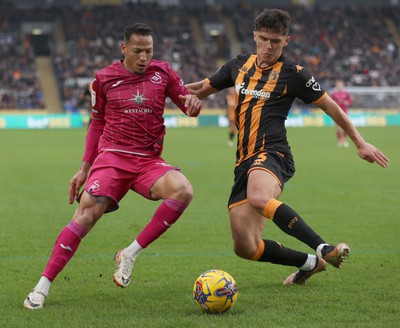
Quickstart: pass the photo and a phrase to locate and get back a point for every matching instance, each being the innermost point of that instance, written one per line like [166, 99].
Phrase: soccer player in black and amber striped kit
[266, 84]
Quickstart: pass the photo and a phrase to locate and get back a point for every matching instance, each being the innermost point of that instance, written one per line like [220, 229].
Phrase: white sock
[319, 248]
[132, 250]
[310, 263]
[43, 285]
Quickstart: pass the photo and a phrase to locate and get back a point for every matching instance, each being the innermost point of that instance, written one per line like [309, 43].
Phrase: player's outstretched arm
[365, 150]
[201, 89]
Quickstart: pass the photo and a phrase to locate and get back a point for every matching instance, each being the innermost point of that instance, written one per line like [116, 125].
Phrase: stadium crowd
[19, 81]
[93, 38]
[351, 43]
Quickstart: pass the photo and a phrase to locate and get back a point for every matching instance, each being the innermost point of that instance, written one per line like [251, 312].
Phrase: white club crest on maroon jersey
[156, 78]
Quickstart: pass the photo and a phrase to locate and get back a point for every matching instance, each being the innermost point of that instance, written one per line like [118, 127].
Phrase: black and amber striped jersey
[263, 98]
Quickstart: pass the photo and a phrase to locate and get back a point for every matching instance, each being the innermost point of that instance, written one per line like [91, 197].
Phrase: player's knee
[257, 201]
[86, 221]
[187, 194]
[173, 185]
[184, 192]
[238, 252]
[243, 251]
[89, 212]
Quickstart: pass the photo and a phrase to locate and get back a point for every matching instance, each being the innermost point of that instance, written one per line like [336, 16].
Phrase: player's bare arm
[365, 150]
[78, 180]
[201, 89]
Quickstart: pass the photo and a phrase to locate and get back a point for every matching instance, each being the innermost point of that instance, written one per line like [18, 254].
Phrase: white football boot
[34, 300]
[124, 266]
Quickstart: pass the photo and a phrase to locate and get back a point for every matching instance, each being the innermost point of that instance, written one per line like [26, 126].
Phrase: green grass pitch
[342, 197]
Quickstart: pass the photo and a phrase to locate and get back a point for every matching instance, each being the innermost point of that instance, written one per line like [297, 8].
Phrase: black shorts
[279, 165]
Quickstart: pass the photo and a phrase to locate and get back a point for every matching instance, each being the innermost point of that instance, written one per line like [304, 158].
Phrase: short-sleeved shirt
[264, 98]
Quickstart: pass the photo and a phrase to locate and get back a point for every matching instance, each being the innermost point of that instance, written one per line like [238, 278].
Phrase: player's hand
[192, 103]
[372, 154]
[76, 183]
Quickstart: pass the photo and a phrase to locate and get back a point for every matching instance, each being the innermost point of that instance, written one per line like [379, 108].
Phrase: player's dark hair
[137, 28]
[276, 20]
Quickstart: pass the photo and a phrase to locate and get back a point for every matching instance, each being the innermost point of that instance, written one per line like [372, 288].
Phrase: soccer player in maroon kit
[266, 84]
[344, 100]
[123, 152]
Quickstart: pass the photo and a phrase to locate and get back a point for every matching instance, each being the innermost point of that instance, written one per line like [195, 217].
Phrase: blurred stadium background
[50, 49]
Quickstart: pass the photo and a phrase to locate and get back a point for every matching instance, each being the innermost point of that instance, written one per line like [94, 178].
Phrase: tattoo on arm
[100, 199]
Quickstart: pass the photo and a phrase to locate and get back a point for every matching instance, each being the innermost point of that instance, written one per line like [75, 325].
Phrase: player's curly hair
[276, 20]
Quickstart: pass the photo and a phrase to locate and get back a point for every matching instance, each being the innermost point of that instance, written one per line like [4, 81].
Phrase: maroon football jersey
[131, 106]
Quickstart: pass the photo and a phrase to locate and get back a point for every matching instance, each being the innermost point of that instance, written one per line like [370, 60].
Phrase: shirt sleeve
[223, 78]
[92, 140]
[304, 86]
[98, 99]
[96, 127]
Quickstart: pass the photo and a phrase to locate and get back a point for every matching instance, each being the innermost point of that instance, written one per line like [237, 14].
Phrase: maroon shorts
[113, 174]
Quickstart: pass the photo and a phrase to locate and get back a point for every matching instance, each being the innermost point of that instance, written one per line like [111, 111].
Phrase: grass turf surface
[342, 197]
